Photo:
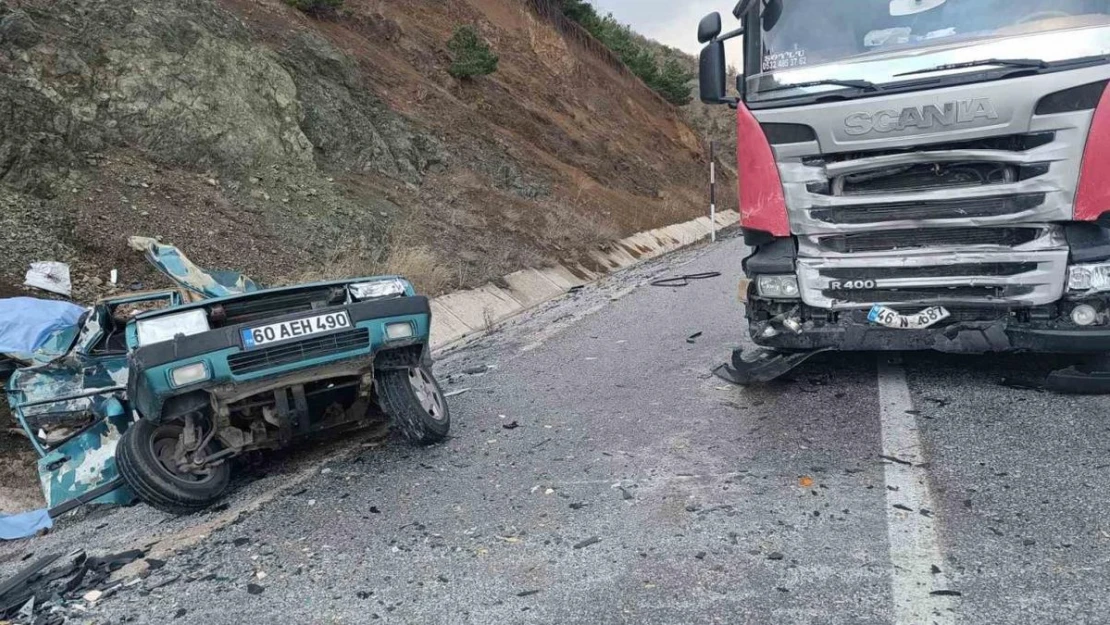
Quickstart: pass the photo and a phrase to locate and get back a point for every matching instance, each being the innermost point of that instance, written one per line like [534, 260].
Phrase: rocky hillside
[292, 146]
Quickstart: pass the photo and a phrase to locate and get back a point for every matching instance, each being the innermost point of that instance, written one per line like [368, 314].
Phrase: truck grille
[990, 206]
[883, 241]
[969, 278]
[929, 294]
[260, 359]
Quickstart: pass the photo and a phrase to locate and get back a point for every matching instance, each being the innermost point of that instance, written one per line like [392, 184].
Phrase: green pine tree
[472, 56]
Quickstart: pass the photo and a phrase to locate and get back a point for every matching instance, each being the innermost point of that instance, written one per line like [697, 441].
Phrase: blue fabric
[24, 524]
[26, 323]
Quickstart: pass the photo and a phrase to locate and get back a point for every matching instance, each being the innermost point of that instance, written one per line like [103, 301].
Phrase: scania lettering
[919, 175]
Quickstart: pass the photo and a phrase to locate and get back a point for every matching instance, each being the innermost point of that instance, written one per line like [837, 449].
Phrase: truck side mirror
[711, 73]
[709, 27]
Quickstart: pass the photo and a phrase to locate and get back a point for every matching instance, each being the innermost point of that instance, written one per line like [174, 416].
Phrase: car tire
[415, 402]
[137, 456]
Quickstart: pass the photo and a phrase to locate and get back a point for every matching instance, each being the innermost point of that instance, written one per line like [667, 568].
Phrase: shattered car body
[155, 403]
[69, 395]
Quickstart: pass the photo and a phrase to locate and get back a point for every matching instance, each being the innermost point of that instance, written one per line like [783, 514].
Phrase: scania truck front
[920, 174]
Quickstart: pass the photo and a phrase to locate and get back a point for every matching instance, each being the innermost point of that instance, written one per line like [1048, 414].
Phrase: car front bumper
[352, 351]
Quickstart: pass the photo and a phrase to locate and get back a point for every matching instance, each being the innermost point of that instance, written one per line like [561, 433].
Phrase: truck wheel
[413, 399]
[145, 459]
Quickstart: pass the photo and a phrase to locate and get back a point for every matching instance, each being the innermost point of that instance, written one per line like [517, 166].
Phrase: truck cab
[922, 174]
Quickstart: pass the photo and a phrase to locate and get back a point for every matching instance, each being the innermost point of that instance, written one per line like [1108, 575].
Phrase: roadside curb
[463, 314]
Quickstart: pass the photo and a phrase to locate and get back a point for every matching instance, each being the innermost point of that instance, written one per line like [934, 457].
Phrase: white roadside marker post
[712, 194]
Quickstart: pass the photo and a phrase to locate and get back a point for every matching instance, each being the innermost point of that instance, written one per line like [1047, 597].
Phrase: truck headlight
[779, 287]
[189, 374]
[166, 327]
[1089, 278]
[378, 288]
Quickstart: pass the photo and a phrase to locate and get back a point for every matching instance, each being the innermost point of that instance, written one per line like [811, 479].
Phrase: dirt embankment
[261, 139]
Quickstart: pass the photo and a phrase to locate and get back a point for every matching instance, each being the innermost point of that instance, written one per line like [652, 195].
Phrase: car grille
[289, 353]
[884, 241]
[265, 306]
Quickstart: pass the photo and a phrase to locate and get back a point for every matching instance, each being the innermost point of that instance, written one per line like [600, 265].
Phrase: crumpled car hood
[170, 261]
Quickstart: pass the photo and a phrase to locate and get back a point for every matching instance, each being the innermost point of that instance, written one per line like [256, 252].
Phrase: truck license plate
[297, 328]
[918, 321]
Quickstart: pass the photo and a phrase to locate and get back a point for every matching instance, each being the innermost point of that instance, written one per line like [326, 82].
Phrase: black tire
[422, 422]
[158, 485]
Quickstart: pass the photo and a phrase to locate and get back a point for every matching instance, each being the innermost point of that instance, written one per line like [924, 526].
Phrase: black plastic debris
[684, 280]
[592, 540]
[58, 581]
[946, 593]
[775, 555]
[255, 589]
[527, 593]
[510, 426]
[693, 338]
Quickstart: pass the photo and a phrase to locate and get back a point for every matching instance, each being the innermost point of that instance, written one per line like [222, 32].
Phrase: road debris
[775, 555]
[684, 280]
[592, 540]
[693, 338]
[64, 588]
[24, 524]
[49, 276]
[512, 425]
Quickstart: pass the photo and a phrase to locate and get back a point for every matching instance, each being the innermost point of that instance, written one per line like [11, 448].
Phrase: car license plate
[917, 321]
[297, 328]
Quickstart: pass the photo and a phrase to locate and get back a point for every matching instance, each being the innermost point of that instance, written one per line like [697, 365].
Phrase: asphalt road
[599, 474]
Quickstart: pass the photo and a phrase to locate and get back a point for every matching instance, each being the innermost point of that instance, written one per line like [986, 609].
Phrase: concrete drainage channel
[466, 314]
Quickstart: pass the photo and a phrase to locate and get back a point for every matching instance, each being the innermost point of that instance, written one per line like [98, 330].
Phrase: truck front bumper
[851, 331]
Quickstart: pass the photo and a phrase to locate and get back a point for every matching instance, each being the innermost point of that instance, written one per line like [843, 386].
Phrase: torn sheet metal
[28, 324]
[58, 396]
[86, 463]
[49, 276]
[170, 261]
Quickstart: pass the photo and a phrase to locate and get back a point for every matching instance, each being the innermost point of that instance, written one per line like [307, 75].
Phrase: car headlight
[1089, 278]
[378, 288]
[166, 327]
[781, 287]
[189, 374]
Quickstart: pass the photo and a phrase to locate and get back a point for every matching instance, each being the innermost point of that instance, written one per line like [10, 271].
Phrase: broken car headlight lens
[1095, 277]
[379, 288]
[398, 331]
[189, 374]
[780, 287]
[165, 328]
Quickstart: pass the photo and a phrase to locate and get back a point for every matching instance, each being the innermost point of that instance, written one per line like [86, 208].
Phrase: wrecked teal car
[69, 396]
[191, 385]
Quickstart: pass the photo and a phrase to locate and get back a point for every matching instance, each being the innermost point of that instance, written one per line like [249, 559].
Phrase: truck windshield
[816, 32]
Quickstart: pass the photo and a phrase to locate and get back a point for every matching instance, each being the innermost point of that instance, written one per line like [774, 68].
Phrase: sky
[672, 22]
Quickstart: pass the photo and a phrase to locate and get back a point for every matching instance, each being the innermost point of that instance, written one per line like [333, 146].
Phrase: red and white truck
[920, 175]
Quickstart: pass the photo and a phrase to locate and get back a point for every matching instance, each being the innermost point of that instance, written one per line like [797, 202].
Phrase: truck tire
[138, 458]
[413, 399]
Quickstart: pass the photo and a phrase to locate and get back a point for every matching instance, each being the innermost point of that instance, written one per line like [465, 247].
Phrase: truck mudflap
[762, 365]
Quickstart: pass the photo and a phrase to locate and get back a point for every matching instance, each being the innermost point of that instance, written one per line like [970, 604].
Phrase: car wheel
[145, 459]
[413, 399]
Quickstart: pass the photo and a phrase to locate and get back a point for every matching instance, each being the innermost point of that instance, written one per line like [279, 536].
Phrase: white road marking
[914, 547]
